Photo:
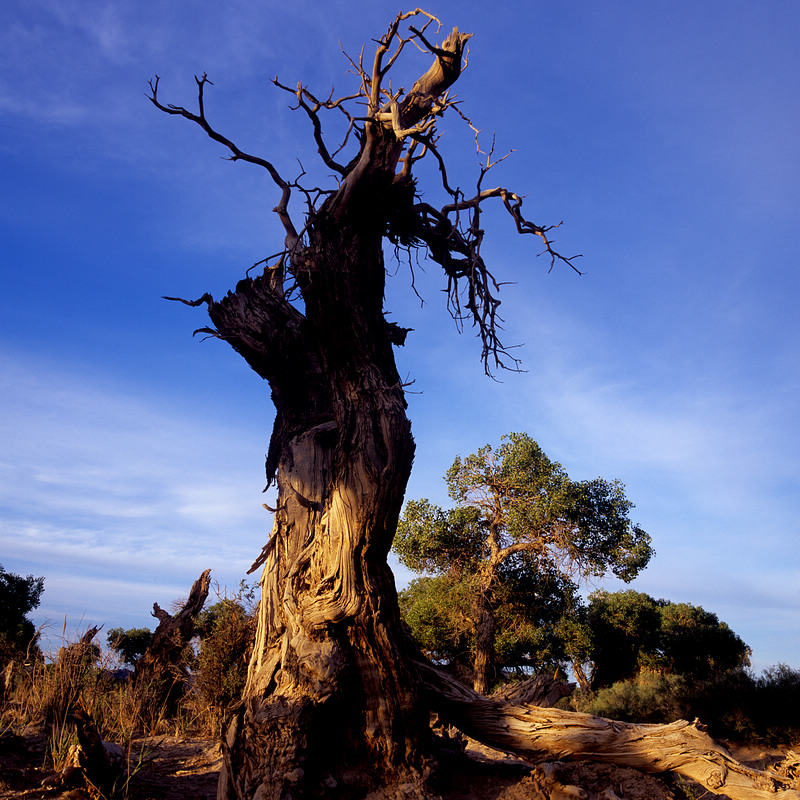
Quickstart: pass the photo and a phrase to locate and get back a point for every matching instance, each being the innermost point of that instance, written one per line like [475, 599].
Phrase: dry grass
[43, 696]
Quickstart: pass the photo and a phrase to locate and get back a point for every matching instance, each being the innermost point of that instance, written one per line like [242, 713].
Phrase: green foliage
[733, 703]
[776, 710]
[226, 631]
[130, 645]
[438, 611]
[584, 526]
[533, 602]
[434, 540]
[695, 642]
[633, 631]
[649, 697]
[521, 533]
[530, 609]
[18, 597]
[625, 634]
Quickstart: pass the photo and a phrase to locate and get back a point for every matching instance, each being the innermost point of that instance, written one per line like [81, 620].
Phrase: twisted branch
[238, 155]
[397, 132]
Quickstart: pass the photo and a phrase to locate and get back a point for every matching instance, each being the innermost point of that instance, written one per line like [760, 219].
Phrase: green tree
[531, 606]
[695, 642]
[625, 634]
[522, 533]
[18, 597]
[130, 645]
[632, 631]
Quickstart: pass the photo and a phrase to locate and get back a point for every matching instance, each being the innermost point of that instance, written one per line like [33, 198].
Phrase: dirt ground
[163, 768]
[187, 769]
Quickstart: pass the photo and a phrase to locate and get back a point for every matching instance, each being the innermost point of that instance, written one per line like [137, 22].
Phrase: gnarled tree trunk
[329, 689]
[334, 704]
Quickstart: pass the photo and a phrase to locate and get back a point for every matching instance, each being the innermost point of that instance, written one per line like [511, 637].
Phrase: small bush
[649, 697]
[226, 631]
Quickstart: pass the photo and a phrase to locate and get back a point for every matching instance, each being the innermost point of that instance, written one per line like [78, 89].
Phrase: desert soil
[187, 769]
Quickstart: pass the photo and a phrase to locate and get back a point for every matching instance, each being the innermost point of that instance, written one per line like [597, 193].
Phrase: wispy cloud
[709, 461]
[95, 483]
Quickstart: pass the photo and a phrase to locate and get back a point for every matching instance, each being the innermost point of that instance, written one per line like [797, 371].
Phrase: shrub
[226, 631]
[732, 704]
[649, 697]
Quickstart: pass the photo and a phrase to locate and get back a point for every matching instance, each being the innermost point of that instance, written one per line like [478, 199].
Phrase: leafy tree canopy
[633, 631]
[506, 558]
[130, 645]
[18, 597]
[531, 607]
[515, 499]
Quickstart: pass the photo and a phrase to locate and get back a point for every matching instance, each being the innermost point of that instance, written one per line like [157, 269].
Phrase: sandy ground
[187, 769]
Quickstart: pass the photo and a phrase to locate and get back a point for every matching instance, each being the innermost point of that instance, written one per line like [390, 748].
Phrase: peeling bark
[326, 655]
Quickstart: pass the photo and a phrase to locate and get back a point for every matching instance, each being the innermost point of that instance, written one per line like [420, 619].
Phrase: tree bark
[484, 658]
[329, 688]
[584, 680]
[331, 700]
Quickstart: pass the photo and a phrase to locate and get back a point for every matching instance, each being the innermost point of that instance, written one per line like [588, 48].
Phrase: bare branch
[466, 119]
[417, 35]
[513, 204]
[359, 70]
[303, 95]
[455, 244]
[238, 155]
[378, 70]
[441, 75]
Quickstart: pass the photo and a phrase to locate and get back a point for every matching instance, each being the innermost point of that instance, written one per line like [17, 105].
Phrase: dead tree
[161, 672]
[335, 703]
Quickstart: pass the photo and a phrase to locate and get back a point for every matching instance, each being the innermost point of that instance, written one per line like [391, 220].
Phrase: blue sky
[664, 134]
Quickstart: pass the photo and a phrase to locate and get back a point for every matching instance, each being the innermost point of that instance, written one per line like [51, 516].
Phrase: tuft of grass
[62, 738]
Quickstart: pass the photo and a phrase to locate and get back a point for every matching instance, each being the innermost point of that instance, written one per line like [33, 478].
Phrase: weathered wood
[161, 673]
[550, 734]
[540, 690]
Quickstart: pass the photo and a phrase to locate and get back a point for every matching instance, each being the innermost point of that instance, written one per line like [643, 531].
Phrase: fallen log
[549, 734]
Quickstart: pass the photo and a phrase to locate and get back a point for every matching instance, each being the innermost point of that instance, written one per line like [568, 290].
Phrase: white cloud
[99, 486]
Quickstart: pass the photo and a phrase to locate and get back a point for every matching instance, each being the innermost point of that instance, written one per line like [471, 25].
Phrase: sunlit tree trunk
[483, 661]
[330, 689]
